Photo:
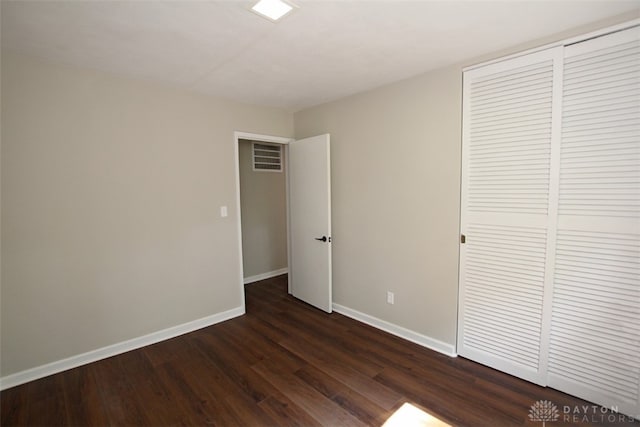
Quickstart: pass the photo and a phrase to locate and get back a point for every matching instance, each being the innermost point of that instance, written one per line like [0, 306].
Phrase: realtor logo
[544, 410]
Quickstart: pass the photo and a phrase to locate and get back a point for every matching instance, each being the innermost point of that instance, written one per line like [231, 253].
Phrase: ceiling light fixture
[272, 9]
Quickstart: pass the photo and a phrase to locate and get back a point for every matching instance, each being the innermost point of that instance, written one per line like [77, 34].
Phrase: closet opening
[263, 227]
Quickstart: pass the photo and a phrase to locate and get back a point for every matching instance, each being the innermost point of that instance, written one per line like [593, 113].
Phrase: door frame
[237, 136]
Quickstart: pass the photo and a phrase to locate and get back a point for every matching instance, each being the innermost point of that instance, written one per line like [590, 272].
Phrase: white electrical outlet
[389, 297]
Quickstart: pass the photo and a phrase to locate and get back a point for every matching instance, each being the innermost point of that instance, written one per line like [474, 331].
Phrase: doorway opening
[262, 201]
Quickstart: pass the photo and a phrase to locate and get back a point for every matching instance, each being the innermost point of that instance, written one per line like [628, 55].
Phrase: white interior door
[310, 221]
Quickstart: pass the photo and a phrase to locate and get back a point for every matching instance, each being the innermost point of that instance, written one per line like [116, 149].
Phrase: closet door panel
[594, 347]
[507, 136]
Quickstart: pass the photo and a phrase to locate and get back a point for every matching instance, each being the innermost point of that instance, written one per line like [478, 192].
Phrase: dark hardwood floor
[284, 363]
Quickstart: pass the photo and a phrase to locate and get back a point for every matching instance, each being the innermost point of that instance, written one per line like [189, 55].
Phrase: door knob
[324, 239]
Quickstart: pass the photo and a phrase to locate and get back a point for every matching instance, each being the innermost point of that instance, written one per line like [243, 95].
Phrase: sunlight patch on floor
[409, 415]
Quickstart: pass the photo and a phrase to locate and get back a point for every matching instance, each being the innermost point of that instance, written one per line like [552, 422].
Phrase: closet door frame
[554, 221]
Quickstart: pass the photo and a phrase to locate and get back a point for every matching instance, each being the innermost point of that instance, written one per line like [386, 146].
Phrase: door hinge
[463, 238]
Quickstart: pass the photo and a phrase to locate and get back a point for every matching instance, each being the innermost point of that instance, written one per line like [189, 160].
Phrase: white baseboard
[115, 349]
[267, 275]
[399, 331]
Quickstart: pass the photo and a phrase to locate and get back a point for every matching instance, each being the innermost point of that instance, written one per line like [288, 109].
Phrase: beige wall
[111, 190]
[396, 155]
[395, 165]
[264, 216]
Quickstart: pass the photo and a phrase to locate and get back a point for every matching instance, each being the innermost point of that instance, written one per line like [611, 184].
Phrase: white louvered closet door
[594, 349]
[507, 144]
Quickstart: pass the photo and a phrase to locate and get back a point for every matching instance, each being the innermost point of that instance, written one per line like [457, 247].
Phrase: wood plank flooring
[284, 363]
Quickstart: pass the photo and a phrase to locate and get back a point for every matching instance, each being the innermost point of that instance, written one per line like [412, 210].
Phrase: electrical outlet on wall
[390, 297]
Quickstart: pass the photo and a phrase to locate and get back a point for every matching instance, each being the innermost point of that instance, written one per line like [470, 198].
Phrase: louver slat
[607, 137]
[609, 319]
[491, 178]
[503, 311]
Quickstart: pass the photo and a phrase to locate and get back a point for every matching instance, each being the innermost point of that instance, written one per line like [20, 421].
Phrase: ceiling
[323, 51]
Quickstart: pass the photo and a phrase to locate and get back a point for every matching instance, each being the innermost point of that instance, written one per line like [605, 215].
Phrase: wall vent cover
[267, 157]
